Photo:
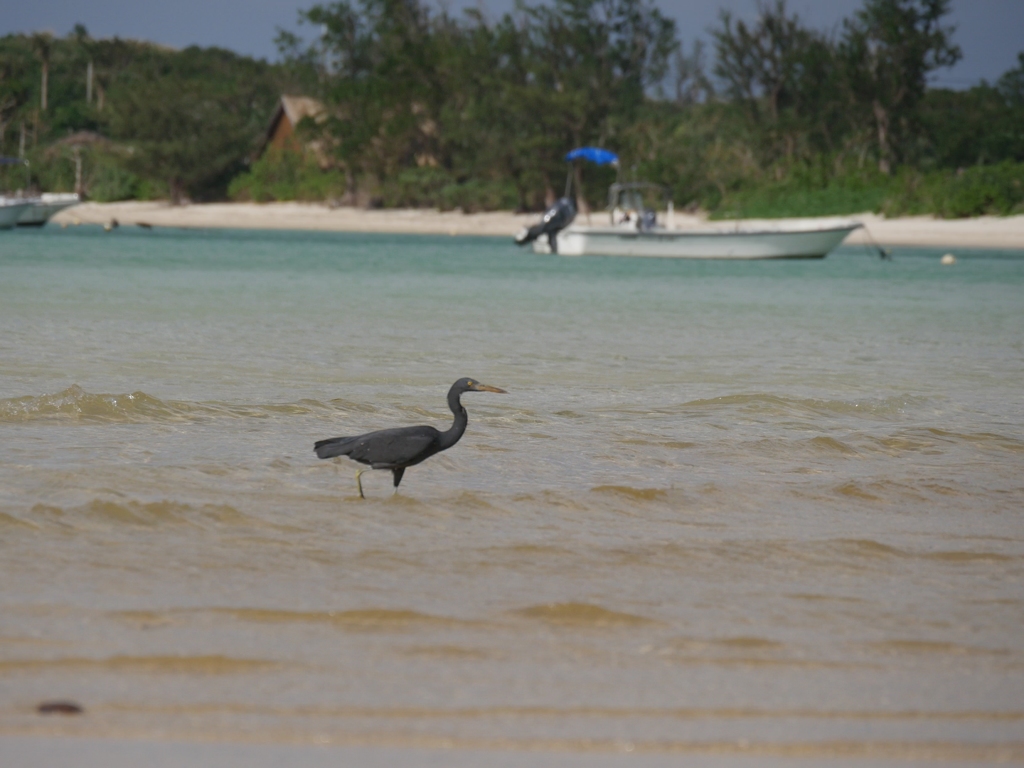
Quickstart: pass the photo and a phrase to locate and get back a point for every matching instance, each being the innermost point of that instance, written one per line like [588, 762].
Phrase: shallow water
[757, 508]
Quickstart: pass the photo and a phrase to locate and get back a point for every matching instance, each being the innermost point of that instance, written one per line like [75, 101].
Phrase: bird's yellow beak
[485, 388]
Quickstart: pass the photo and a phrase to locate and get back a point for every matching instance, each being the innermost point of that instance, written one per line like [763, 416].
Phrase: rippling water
[755, 508]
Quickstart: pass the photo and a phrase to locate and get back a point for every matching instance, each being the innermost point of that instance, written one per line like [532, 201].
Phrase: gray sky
[989, 31]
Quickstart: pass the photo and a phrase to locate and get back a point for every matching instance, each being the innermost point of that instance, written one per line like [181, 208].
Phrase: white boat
[45, 206]
[770, 239]
[33, 211]
[11, 210]
[633, 228]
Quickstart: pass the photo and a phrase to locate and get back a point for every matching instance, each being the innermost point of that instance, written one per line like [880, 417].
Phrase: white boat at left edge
[45, 206]
[31, 210]
[11, 210]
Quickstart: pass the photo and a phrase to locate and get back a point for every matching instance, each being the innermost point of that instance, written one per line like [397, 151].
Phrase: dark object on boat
[143, 225]
[396, 449]
[556, 218]
[59, 708]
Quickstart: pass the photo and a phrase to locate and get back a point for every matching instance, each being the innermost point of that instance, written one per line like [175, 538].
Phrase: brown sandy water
[726, 509]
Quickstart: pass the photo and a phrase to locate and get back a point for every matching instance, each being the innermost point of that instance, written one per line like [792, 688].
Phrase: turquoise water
[723, 503]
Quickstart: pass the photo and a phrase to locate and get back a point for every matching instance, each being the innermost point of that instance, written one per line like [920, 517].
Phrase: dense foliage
[150, 122]
[426, 109]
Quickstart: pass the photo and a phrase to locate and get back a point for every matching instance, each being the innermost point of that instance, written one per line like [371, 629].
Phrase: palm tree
[42, 42]
[85, 45]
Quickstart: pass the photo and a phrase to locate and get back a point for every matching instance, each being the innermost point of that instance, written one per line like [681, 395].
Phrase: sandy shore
[984, 232]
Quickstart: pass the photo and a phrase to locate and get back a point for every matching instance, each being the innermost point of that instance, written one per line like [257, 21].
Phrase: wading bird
[396, 449]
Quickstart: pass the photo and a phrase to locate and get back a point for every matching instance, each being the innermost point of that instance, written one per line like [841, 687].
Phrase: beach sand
[923, 231]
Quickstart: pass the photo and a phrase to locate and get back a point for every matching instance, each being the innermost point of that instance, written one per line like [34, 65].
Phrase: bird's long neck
[452, 435]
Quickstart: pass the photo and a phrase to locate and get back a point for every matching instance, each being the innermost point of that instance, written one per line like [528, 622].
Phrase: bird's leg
[359, 482]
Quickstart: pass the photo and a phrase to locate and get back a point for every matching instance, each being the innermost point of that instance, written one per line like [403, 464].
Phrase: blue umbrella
[594, 155]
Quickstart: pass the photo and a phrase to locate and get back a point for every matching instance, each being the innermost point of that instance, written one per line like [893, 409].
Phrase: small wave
[640, 494]
[749, 643]
[856, 491]
[178, 665]
[444, 652]
[935, 441]
[677, 444]
[100, 511]
[365, 619]
[816, 597]
[768, 404]
[746, 643]
[582, 615]
[968, 557]
[918, 647]
[831, 446]
[868, 548]
[74, 404]
[9, 521]
[783, 448]
[744, 650]
[982, 440]
[145, 619]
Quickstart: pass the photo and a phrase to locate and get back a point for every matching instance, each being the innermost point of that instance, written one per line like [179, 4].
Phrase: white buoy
[949, 258]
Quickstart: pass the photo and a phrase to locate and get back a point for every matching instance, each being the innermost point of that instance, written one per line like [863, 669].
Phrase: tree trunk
[88, 83]
[46, 80]
[882, 123]
[77, 153]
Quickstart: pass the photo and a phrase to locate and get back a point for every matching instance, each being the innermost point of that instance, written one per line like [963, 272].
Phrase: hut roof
[80, 138]
[295, 109]
[299, 107]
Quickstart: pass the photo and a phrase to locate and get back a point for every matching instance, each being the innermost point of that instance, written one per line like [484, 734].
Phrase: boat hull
[778, 242]
[10, 213]
[46, 206]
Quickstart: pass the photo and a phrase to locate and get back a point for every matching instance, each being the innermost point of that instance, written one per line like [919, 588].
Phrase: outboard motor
[555, 219]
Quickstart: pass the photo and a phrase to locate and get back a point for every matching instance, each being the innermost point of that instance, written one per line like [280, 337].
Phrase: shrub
[981, 190]
[479, 195]
[415, 188]
[286, 175]
[110, 182]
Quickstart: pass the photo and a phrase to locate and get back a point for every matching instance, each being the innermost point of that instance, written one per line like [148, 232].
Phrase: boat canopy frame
[628, 189]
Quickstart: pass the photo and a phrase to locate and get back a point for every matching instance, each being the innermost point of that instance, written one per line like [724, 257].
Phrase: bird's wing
[394, 447]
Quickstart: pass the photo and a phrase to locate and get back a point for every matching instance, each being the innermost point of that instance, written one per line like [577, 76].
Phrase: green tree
[889, 48]
[1011, 84]
[42, 43]
[784, 75]
[192, 119]
[15, 90]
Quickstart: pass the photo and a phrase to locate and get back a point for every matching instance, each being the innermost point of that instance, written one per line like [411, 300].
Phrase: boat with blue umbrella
[642, 223]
